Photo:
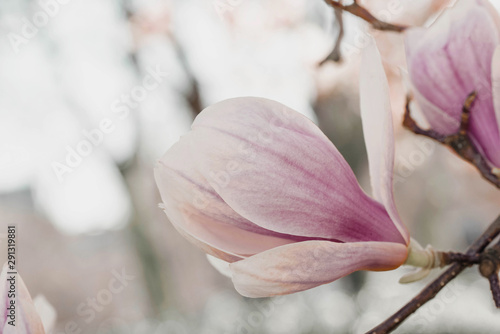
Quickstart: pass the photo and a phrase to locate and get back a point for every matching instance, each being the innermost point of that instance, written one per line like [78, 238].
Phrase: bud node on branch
[459, 142]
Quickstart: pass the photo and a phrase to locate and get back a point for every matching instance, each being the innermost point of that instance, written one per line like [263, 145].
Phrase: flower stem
[433, 288]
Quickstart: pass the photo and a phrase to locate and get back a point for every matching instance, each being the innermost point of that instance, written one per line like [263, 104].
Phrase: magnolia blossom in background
[457, 55]
[258, 185]
[27, 320]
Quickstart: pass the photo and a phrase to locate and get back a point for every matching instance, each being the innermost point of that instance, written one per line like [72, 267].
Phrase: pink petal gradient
[495, 80]
[304, 265]
[450, 60]
[378, 130]
[259, 187]
[201, 216]
[275, 168]
[27, 319]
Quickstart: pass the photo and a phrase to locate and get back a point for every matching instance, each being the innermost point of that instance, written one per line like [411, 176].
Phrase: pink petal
[274, 167]
[451, 59]
[205, 246]
[440, 120]
[379, 135]
[201, 216]
[495, 79]
[27, 319]
[304, 265]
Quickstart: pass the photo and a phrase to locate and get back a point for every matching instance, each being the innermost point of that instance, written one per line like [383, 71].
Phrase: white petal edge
[376, 115]
[220, 265]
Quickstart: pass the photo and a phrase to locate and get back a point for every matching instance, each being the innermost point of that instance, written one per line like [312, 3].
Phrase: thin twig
[433, 288]
[459, 142]
[364, 14]
[489, 268]
[495, 288]
[336, 54]
[453, 257]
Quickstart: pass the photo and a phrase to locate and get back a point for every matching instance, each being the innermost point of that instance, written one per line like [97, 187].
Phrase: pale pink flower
[258, 185]
[23, 312]
[457, 55]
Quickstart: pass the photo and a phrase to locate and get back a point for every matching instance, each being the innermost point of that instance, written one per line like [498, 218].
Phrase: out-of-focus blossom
[267, 49]
[258, 185]
[20, 317]
[92, 65]
[152, 20]
[52, 141]
[405, 12]
[457, 55]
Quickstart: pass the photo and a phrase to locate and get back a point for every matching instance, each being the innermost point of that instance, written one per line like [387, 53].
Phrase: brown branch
[364, 14]
[495, 288]
[459, 142]
[489, 268]
[433, 288]
[453, 257]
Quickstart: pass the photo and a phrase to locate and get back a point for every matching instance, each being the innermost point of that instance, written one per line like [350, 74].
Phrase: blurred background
[93, 92]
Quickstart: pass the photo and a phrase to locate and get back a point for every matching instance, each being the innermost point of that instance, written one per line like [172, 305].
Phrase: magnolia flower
[259, 186]
[457, 55]
[22, 313]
